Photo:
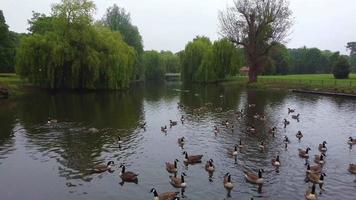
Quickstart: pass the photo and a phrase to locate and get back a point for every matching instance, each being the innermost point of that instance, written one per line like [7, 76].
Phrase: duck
[291, 110]
[295, 116]
[178, 182]
[322, 147]
[304, 153]
[181, 141]
[352, 168]
[314, 169]
[319, 159]
[276, 162]
[209, 166]
[351, 141]
[227, 181]
[127, 176]
[164, 196]
[164, 129]
[51, 121]
[316, 178]
[172, 167]
[255, 178]
[172, 123]
[182, 119]
[286, 122]
[299, 135]
[233, 152]
[192, 159]
[251, 129]
[103, 167]
[241, 146]
[310, 194]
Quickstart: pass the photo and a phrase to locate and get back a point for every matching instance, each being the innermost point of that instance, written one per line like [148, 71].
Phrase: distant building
[244, 70]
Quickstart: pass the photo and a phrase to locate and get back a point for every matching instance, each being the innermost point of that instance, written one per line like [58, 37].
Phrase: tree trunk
[252, 75]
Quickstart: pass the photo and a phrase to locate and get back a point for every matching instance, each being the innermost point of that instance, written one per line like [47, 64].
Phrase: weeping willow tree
[69, 52]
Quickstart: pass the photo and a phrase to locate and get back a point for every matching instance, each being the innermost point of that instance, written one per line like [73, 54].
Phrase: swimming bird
[276, 162]
[127, 176]
[304, 153]
[286, 140]
[164, 129]
[192, 159]
[93, 130]
[209, 166]
[103, 167]
[320, 159]
[233, 152]
[251, 105]
[227, 181]
[322, 147]
[120, 141]
[262, 146]
[296, 116]
[143, 125]
[182, 119]
[172, 167]
[181, 141]
[352, 168]
[291, 110]
[51, 121]
[351, 141]
[273, 131]
[299, 135]
[241, 146]
[310, 194]
[178, 182]
[316, 178]
[164, 196]
[251, 129]
[314, 169]
[253, 178]
[172, 123]
[216, 129]
[286, 122]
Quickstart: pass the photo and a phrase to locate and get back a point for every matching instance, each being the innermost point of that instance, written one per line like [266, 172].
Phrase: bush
[341, 68]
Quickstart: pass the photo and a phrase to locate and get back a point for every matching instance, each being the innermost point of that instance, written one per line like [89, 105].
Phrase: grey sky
[170, 24]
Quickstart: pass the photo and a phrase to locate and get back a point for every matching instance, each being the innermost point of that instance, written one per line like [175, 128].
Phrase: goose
[164, 129]
[209, 166]
[304, 153]
[251, 129]
[322, 147]
[314, 169]
[273, 131]
[216, 129]
[262, 146]
[143, 125]
[241, 146]
[239, 113]
[120, 141]
[127, 176]
[253, 178]
[192, 159]
[276, 162]
[319, 159]
[316, 178]
[351, 141]
[172, 123]
[299, 135]
[182, 119]
[310, 194]
[286, 140]
[352, 168]
[181, 141]
[51, 121]
[103, 167]
[172, 167]
[178, 182]
[225, 123]
[291, 110]
[256, 116]
[295, 116]
[164, 196]
[93, 130]
[233, 152]
[286, 122]
[251, 105]
[262, 118]
[227, 181]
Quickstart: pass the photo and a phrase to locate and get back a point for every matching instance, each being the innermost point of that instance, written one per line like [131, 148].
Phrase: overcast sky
[170, 24]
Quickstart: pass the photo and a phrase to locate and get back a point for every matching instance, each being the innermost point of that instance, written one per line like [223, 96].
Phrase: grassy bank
[13, 82]
[315, 82]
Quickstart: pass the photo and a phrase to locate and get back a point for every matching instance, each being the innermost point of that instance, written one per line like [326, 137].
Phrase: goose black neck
[186, 155]
[155, 193]
[321, 177]
[307, 151]
[259, 174]
[182, 177]
[175, 164]
[313, 189]
[123, 169]
[229, 178]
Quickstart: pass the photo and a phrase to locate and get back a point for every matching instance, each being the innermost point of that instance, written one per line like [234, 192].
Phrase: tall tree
[257, 26]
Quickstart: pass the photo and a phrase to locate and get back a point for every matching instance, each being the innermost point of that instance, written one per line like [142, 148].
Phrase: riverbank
[311, 82]
[15, 86]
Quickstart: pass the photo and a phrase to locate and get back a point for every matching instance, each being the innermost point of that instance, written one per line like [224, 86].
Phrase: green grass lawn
[12, 82]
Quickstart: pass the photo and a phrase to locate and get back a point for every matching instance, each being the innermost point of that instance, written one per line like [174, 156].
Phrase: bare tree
[256, 25]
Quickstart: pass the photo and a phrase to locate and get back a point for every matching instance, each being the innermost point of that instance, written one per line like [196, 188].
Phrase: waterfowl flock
[315, 174]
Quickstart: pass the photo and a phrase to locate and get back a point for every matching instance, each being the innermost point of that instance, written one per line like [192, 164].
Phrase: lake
[54, 161]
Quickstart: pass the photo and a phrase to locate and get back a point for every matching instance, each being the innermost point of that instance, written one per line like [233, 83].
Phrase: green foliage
[278, 60]
[154, 68]
[352, 61]
[71, 53]
[341, 68]
[170, 61]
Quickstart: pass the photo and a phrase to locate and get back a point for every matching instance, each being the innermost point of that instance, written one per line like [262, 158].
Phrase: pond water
[53, 161]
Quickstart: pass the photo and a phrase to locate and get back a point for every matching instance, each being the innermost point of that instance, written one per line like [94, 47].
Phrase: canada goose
[127, 176]
[291, 110]
[286, 122]
[192, 159]
[253, 178]
[225, 123]
[239, 113]
[51, 121]
[93, 130]
[310, 194]
[316, 178]
[286, 140]
[273, 131]
[172, 167]
[299, 135]
[352, 168]
[182, 119]
[209, 166]
[103, 167]
[251, 129]
[314, 169]
[320, 159]
[251, 105]
[241, 146]
[233, 152]
[276, 162]
[304, 153]
[227, 181]
[216, 129]
[164, 129]
[322, 147]
[262, 146]
[295, 116]
[181, 141]
[143, 125]
[262, 118]
[351, 141]
[172, 123]
[178, 182]
[256, 116]
[164, 196]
